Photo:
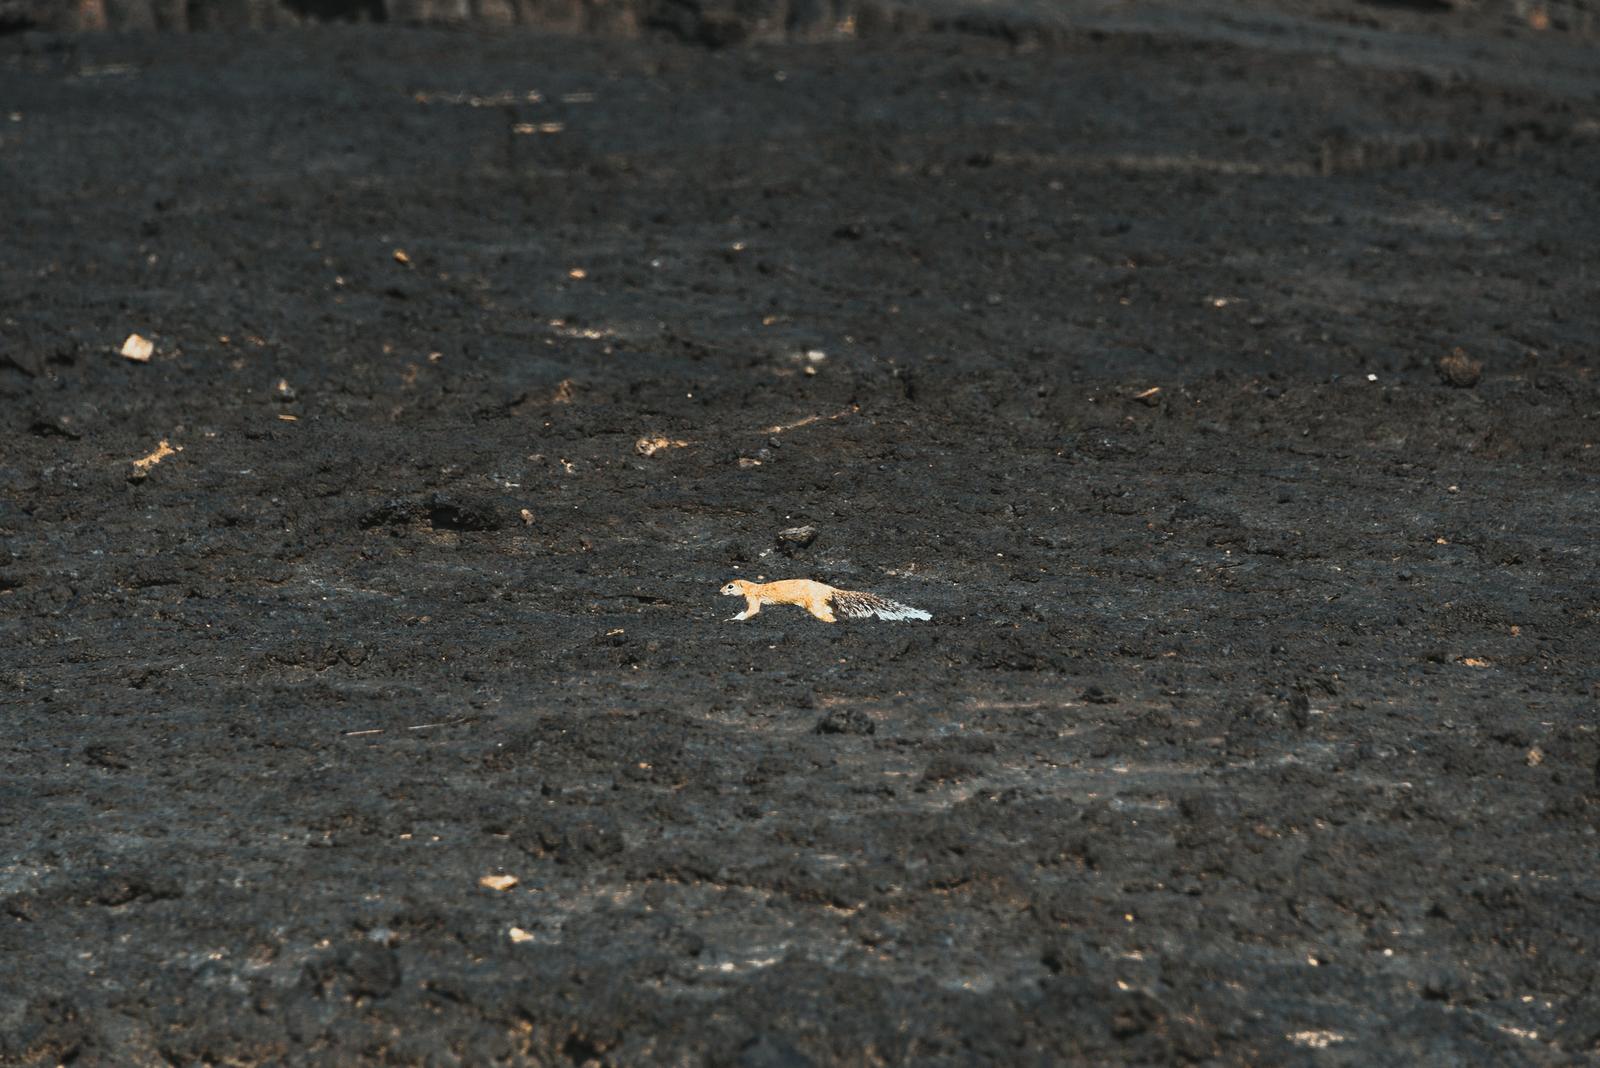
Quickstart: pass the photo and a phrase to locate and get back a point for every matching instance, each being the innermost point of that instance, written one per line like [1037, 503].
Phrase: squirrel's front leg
[751, 607]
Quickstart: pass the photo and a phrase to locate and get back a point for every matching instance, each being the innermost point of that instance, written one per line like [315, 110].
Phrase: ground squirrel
[816, 598]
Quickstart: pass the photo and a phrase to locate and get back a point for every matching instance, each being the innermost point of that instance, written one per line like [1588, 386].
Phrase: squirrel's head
[735, 588]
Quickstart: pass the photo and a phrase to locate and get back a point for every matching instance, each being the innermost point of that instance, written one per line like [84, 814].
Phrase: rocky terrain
[1221, 378]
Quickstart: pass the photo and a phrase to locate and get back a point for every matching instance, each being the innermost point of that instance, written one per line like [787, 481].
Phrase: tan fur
[812, 596]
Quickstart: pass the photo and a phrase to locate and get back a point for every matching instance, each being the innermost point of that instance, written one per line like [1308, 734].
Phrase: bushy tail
[854, 605]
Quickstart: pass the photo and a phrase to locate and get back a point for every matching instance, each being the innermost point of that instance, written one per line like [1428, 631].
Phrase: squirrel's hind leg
[819, 608]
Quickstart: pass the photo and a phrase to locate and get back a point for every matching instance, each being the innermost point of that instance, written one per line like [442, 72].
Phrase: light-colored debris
[518, 935]
[1315, 1039]
[651, 446]
[138, 349]
[783, 428]
[499, 882]
[142, 466]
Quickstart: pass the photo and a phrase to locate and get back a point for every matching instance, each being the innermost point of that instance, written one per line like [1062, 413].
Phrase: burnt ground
[1256, 722]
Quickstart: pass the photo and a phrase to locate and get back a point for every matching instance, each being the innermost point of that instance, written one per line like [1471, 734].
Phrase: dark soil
[1226, 392]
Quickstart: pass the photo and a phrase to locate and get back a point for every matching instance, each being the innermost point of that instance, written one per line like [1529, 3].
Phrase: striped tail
[854, 605]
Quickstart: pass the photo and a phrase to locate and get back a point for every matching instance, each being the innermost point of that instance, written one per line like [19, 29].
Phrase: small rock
[138, 349]
[498, 882]
[1460, 370]
[1096, 696]
[63, 425]
[795, 539]
[649, 446]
